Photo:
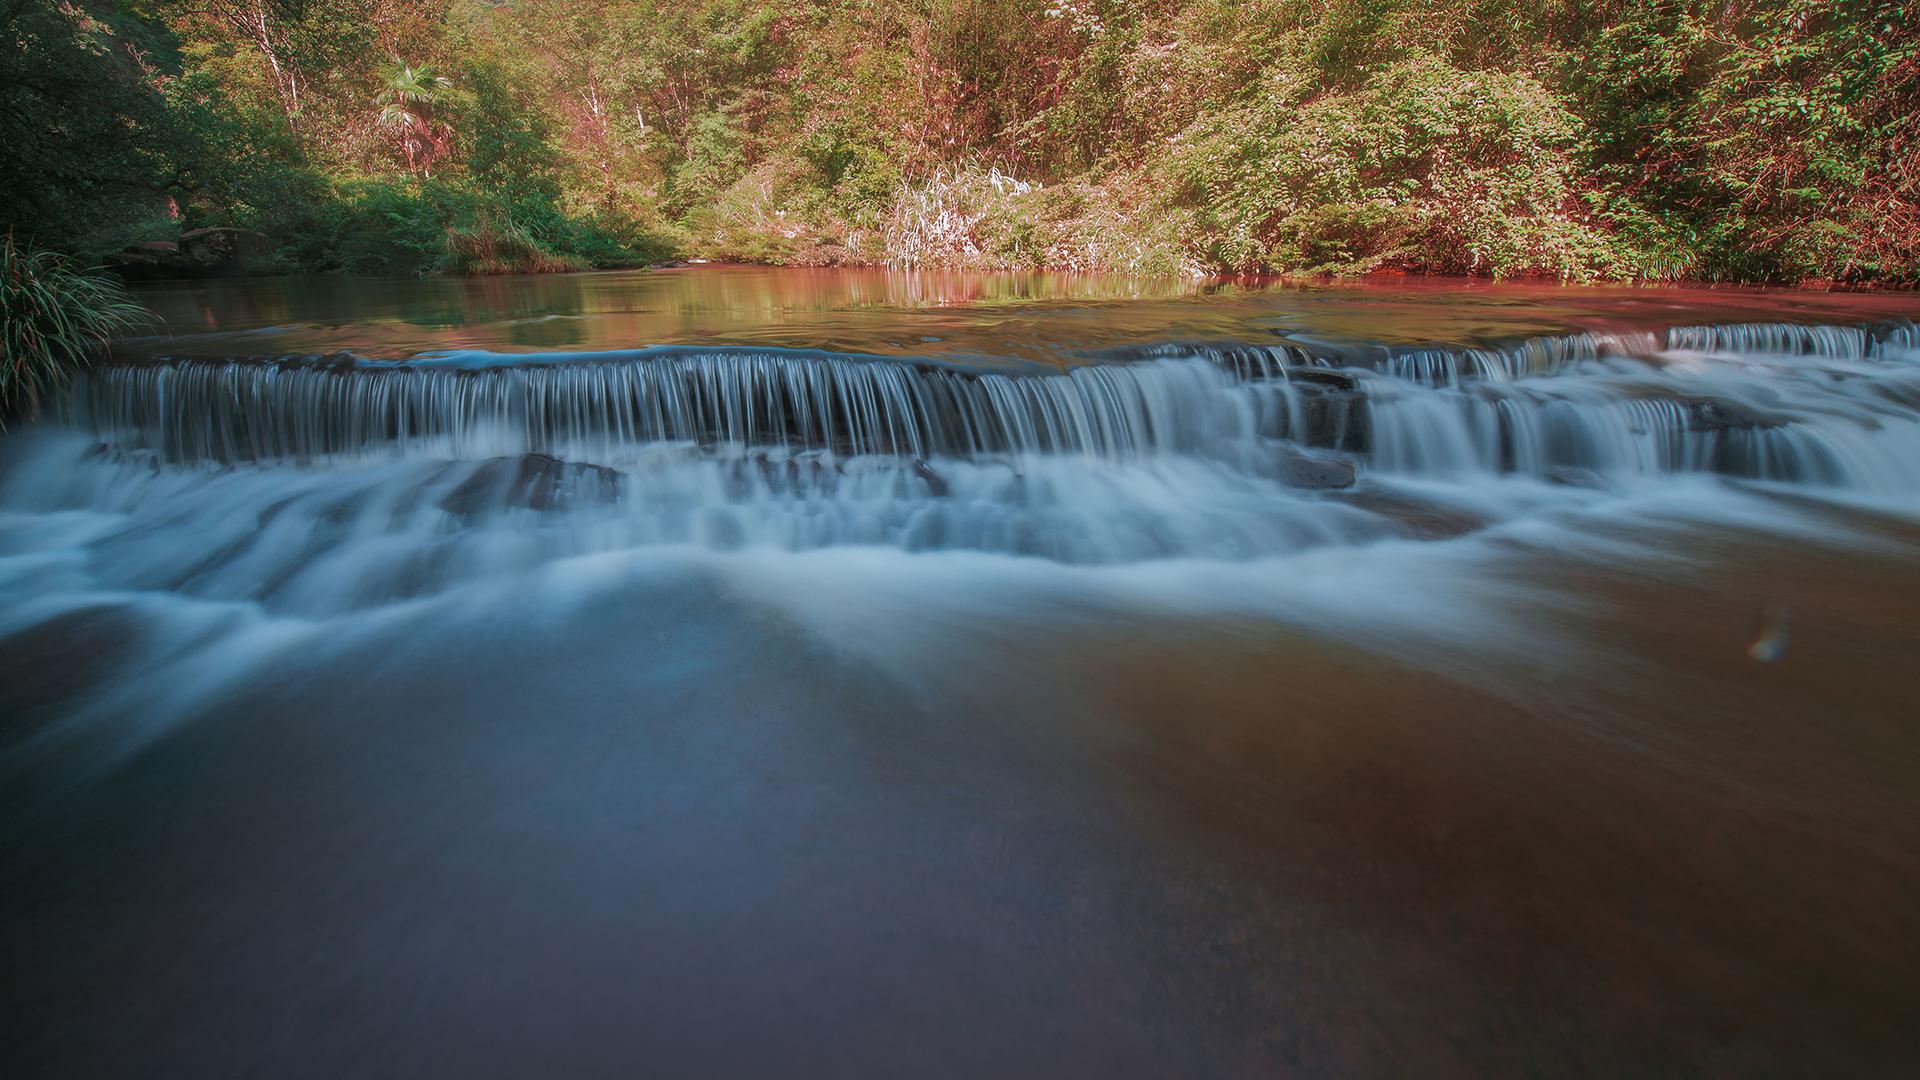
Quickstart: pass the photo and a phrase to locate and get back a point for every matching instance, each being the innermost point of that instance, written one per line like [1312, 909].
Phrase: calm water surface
[982, 316]
[739, 672]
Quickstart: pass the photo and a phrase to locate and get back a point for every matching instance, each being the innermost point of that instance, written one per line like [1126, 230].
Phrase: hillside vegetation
[1758, 140]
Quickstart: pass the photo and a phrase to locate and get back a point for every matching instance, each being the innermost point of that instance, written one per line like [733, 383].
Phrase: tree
[86, 142]
[407, 97]
[258, 23]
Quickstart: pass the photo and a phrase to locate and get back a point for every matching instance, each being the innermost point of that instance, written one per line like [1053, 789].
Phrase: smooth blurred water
[736, 671]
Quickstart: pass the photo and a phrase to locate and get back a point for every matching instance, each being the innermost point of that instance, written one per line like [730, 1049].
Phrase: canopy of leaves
[1577, 139]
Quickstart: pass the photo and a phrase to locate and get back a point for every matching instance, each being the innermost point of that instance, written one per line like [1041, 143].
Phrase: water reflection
[1043, 316]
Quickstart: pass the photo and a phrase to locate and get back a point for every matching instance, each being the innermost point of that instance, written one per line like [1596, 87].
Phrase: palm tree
[407, 94]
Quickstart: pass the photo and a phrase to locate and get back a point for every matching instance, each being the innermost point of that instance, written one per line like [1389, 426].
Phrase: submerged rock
[1574, 476]
[1316, 473]
[1707, 414]
[532, 481]
[1415, 519]
[56, 661]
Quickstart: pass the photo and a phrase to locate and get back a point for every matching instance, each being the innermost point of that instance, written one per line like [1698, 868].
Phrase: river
[730, 671]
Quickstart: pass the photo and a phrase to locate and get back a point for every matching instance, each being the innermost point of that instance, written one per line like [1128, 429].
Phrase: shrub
[369, 227]
[1423, 166]
[421, 227]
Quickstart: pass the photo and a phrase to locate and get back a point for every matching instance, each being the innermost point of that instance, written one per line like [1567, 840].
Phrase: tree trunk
[254, 22]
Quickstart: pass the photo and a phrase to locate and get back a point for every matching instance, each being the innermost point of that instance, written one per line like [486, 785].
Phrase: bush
[54, 319]
[1424, 166]
[368, 227]
[419, 227]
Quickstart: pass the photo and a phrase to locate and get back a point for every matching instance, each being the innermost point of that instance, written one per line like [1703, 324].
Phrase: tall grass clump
[54, 320]
[508, 248]
[960, 219]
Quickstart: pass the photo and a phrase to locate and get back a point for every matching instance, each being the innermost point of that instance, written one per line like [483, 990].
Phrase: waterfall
[1825, 405]
[1784, 339]
[851, 406]
[332, 483]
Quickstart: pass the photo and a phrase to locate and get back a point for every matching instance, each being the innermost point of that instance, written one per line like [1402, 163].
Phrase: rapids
[315, 483]
[811, 578]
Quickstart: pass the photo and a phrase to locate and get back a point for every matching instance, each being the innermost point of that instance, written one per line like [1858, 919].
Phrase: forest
[1577, 140]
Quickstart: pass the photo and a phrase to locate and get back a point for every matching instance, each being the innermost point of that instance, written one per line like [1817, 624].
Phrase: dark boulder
[213, 247]
[198, 253]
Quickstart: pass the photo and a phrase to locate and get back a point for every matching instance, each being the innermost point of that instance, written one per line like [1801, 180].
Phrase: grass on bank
[54, 320]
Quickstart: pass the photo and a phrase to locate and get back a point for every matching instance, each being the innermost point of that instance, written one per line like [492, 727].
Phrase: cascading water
[1180, 678]
[336, 483]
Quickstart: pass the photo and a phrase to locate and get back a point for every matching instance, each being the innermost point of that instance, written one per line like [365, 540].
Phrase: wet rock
[1315, 473]
[1574, 476]
[213, 247]
[936, 484]
[141, 264]
[532, 481]
[1706, 414]
[1332, 419]
[762, 473]
[1339, 380]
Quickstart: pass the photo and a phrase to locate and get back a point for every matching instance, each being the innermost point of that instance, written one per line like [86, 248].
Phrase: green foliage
[1759, 140]
[505, 248]
[407, 97]
[370, 227]
[1421, 166]
[54, 319]
[85, 146]
[712, 158]
[413, 228]
[509, 148]
[1779, 139]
